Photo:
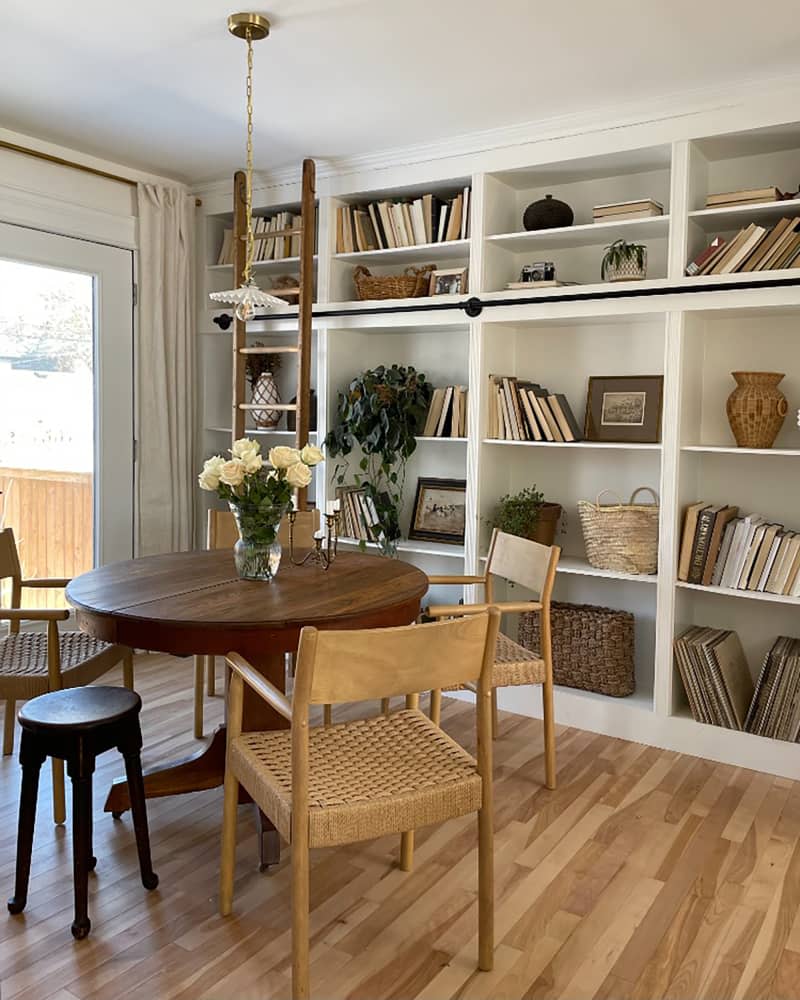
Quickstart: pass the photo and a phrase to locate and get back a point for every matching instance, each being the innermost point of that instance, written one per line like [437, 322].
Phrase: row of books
[720, 689]
[358, 516]
[618, 211]
[754, 248]
[719, 548]
[386, 225]
[525, 411]
[277, 248]
[447, 414]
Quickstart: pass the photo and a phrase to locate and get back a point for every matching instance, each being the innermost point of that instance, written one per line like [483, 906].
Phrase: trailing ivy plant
[619, 253]
[381, 412]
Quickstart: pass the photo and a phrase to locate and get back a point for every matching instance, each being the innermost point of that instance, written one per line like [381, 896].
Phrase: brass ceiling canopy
[257, 23]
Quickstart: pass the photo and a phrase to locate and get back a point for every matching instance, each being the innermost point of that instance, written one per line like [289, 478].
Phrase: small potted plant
[528, 515]
[261, 370]
[624, 261]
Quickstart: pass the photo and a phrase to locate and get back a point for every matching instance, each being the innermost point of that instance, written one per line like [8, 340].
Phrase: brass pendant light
[248, 297]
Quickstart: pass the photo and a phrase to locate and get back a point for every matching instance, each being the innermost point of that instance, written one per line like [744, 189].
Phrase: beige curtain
[165, 393]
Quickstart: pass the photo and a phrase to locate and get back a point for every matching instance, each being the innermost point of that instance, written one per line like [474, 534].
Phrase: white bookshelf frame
[695, 155]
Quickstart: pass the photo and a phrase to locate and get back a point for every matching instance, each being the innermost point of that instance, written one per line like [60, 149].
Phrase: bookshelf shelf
[589, 234]
[591, 445]
[417, 548]
[713, 220]
[750, 595]
[580, 566]
[732, 450]
[452, 440]
[424, 252]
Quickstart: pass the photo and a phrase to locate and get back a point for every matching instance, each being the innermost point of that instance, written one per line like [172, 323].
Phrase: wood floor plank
[645, 874]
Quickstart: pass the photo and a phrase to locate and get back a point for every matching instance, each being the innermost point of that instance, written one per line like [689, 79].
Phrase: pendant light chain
[250, 245]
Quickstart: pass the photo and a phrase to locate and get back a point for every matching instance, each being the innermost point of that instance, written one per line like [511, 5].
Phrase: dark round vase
[547, 213]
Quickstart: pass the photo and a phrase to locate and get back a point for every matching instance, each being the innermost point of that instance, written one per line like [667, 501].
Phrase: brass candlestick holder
[323, 556]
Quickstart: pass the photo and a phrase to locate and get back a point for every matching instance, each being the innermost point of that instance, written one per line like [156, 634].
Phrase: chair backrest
[524, 562]
[9, 559]
[368, 664]
[223, 534]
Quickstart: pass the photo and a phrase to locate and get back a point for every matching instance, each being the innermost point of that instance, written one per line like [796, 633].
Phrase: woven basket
[412, 283]
[592, 647]
[622, 537]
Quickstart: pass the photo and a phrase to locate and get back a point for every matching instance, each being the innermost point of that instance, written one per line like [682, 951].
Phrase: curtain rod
[61, 161]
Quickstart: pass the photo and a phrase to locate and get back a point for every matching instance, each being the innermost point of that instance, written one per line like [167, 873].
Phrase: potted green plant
[261, 370]
[381, 413]
[624, 261]
[528, 515]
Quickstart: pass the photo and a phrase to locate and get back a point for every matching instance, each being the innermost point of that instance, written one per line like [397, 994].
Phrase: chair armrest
[454, 610]
[45, 582]
[34, 614]
[456, 579]
[262, 687]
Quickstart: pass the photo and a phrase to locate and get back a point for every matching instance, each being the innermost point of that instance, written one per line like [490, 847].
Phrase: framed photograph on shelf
[440, 509]
[624, 408]
[451, 281]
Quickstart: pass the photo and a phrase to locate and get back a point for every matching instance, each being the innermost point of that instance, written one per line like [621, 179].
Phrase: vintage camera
[544, 270]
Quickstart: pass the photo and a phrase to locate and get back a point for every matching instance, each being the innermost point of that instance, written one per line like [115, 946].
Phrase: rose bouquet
[259, 494]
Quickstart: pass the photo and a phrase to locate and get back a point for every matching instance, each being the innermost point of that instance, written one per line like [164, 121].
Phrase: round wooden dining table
[188, 603]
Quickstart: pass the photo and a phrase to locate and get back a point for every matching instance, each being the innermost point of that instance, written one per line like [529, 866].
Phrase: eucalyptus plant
[620, 253]
[381, 413]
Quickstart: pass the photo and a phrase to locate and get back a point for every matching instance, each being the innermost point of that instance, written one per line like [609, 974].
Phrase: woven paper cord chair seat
[367, 778]
[513, 664]
[23, 662]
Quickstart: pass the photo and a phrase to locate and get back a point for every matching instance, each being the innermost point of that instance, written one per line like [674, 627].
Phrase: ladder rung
[274, 235]
[278, 292]
[267, 406]
[269, 350]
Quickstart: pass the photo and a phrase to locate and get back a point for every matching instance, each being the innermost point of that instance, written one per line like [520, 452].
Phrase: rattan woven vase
[266, 391]
[756, 408]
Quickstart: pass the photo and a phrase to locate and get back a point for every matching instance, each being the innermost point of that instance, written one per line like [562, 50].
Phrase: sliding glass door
[66, 401]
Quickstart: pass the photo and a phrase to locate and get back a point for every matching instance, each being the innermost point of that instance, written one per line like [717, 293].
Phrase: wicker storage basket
[592, 647]
[622, 537]
[412, 283]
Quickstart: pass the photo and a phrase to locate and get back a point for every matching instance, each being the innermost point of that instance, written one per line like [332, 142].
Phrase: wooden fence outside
[52, 517]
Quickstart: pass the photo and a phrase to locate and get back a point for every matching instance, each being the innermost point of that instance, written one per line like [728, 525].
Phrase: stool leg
[59, 799]
[8, 727]
[31, 759]
[211, 676]
[133, 772]
[81, 849]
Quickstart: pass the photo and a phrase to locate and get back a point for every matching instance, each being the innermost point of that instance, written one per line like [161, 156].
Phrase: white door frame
[113, 271]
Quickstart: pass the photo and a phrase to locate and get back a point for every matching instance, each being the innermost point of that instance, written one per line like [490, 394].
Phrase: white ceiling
[159, 85]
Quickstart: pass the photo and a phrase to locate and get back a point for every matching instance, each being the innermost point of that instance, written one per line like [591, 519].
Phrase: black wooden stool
[76, 725]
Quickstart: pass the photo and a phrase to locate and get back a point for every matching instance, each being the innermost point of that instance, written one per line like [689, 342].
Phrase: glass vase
[257, 553]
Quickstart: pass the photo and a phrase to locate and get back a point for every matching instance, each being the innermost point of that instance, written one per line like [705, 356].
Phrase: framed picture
[452, 281]
[624, 408]
[440, 509]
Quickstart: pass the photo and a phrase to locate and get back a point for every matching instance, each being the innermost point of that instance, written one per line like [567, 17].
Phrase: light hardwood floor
[646, 874]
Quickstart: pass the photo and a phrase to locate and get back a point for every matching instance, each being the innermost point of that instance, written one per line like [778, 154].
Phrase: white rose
[298, 475]
[311, 455]
[209, 477]
[232, 473]
[283, 457]
[245, 447]
[251, 462]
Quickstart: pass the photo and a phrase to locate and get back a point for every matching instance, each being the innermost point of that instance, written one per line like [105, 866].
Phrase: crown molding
[674, 107]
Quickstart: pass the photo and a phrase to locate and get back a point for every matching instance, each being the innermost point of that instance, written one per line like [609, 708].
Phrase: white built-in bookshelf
[693, 338]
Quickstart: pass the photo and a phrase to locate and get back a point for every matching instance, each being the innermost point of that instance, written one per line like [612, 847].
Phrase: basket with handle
[411, 284]
[621, 537]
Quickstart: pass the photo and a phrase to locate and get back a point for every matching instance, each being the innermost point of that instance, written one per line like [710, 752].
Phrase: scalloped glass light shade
[246, 300]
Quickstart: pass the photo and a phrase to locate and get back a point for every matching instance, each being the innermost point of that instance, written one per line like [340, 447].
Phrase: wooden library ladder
[305, 292]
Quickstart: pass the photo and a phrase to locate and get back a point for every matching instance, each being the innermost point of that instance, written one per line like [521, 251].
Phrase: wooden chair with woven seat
[532, 566]
[332, 785]
[222, 533]
[34, 663]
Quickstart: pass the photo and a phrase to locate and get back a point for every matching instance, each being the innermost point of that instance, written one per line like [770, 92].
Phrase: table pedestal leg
[269, 842]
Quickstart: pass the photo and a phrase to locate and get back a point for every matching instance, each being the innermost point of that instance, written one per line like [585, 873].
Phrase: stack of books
[386, 225]
[719, 548]
[279, 248]
[520, 410]
[745, 196]
[715, 675]
[447, 416]
[617, 211]
[755, 248]
[775, 708]
[358, 514]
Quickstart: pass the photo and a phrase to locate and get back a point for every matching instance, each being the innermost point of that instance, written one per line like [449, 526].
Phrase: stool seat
[79, 708]
[76, 725]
